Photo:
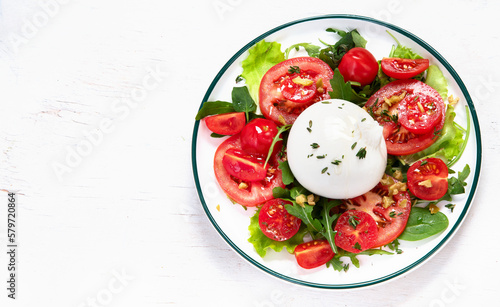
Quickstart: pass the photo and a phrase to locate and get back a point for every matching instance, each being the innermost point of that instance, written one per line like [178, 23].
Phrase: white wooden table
[97, 105]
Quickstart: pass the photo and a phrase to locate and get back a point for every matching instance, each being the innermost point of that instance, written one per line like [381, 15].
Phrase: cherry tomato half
[359, 65]
[398, 139]
[356, 231]
[257, 136]
[398, 68]
[391, 217]
[428, 179]
[282, 99]
[420, 113]
[313, 254]
[227, 123]
[275, 221]
[244, 166]
[250, 193]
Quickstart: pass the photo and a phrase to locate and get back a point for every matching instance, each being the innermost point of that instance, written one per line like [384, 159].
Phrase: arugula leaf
[262, 243]
[332, 54]
[279, 192]
[242, 101]
[261, 58]
[328, 220]
[276, 139]
[344, 90]
[214, 107]
[286, 173]
[338, 264]
[437, 81]
[305, 214]
[312, 50]
[423, 224]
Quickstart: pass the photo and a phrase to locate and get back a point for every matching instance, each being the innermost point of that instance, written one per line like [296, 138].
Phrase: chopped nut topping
[398, 175]
[281, 119]
[387, 201]
[319, 84]
[403, 203]
[242, 186]
[387, 180]
[426, 183]
[300, 200]
[311, 199]
[302, 81]
[433, 209]
[395, 99]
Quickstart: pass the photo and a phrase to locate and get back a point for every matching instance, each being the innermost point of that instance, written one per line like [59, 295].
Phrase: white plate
[231, 221]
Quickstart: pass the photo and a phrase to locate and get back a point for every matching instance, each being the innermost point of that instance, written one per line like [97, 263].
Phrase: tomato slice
[390, 216]
[282, 100]
[420, 113]
[313, 254]
[356, 231]
[250, 193]
[244, 166]
[275, 221]
[399, 140]
[257, 136]
[359, 65]
[428, 179]
[403, 68]
[227, 123]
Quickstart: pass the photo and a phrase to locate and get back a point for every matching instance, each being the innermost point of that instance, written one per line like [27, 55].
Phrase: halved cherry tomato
[257, 136]
[243, 165]
[359, 65]
[428, 179]
[282, 99]
[420, 113]
[398, 140]
[250, 193]
[227, 123]
[313, 254]
[356, 231]
[392, 215]
[275, 221]
[403, 68]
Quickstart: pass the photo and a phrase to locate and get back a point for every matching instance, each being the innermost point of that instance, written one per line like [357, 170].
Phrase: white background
[120, 222]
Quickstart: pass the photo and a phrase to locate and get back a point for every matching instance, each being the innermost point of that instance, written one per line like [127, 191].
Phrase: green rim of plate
[371, 282]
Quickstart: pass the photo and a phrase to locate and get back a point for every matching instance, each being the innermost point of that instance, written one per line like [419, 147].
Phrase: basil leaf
[423, 224]
[242, 101]
[214, 107]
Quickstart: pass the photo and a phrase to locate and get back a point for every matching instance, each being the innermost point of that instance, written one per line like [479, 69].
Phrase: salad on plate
[342, 154]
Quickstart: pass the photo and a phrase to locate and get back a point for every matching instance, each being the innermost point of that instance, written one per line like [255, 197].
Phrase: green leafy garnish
[261, 58]
[423, 224]
[312, 50]
[332, 54]
[344, 90]
[276, 139]
[214, 107]
[286, 173]
[242, 101]
[437, 81]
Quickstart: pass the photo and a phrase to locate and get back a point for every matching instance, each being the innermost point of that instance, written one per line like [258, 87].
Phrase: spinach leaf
[423, 224]
[242, 101]
[286, 173]
[214, 107]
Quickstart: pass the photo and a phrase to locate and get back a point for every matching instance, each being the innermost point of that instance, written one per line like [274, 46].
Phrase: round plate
[231, 220]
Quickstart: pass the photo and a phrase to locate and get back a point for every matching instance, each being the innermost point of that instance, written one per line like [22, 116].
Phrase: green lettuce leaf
[262, 243]
[437, 81]
[261, 58]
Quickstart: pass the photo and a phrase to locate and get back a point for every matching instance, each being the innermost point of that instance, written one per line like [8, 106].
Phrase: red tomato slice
[257, 136]
[420, 113]
[428, 179]
[359, 65]
[275, 221]
[356, 231]
[391, 219]
[403, 68]
[400, 141]
[246, 193]
[282, 104]
[313, 254]
[244, 166]
[227, 123]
